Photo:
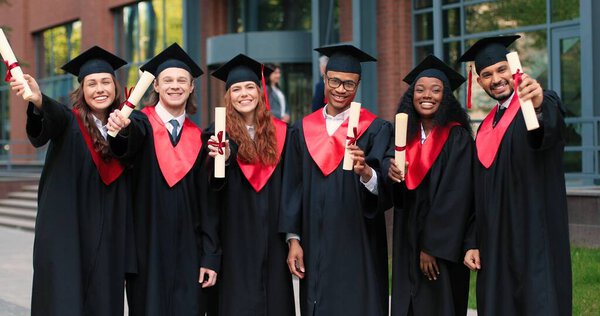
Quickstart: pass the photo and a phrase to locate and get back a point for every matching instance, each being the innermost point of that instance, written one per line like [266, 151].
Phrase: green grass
[586, 282]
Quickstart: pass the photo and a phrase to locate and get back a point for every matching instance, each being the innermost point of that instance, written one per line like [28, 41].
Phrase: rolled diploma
[400, 141]
[9, 56]
[352, 123]
[531, 120]
[136, 95]
[220, 115]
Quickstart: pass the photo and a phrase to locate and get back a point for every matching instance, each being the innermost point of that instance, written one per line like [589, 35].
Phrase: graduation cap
[93, 60]
[488, 51]
[172, 57]
[243, 68]
[344, 58]
[433, 67]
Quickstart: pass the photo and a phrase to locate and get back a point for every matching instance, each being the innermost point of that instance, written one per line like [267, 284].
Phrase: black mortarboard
[344, 58]
[488, 51]
[93, 60]
[241, 68]
[172, 57]
[433, 67]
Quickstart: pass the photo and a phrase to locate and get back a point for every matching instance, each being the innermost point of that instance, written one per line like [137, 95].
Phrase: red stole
[421, 157]
[108, 171]
[488, 138]
[328, 151]
[174, 161]
[258, 174]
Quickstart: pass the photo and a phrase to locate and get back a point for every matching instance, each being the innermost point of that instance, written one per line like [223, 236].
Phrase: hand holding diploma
[527, 90]
[20, 88]
[13, 70]
[134, 98]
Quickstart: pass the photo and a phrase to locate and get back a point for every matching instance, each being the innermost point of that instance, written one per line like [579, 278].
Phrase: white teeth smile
[101, 98]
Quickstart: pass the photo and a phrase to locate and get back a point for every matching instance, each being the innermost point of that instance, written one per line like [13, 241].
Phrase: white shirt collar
[101, 127]
[423, 135]
[165, 117]
[340, 117]
[506, 103]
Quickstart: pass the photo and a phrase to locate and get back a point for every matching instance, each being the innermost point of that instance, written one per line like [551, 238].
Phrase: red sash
[258, 174]
[328, 151]
[108, 171]
[488, 138]
[174, 161]
[421, 157]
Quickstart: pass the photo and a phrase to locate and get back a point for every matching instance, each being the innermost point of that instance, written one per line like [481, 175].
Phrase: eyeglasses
[334, 83]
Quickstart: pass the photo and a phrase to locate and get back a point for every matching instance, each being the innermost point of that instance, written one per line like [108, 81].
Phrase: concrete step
[32, 187]
[22, 213]
[18, 203]
[25, 195]
[17, 223]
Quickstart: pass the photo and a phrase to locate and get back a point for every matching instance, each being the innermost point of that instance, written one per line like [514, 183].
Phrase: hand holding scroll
[361, 167]
[395, 173]
[213, 147]
[20, 88]
[530, 89]
[116, 122]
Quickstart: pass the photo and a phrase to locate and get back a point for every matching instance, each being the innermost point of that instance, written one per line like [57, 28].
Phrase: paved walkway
[16, 248]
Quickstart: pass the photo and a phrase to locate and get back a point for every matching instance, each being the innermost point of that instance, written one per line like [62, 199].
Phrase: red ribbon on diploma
[352, 139]
[517, 78]
[126, 102]
[400, 148]
[8, 68]
[219, 143]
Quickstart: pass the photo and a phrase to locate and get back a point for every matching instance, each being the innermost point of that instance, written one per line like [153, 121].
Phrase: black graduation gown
[433, 218]
[80, 232]
[254, 277]
[342, 231]
[174, 233]
[522, 224]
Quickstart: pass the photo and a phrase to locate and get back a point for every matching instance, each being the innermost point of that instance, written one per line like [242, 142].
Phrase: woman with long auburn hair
[254, 279]
[84, 213]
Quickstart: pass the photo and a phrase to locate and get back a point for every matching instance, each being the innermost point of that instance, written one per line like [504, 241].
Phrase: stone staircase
[18, 209]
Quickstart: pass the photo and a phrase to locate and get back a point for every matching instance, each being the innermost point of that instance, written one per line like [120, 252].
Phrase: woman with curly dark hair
[83, 208]
[432, 196]
[254, 278]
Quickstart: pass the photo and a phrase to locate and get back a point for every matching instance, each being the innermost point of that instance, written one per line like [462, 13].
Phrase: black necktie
[499, 112]
[175, 124]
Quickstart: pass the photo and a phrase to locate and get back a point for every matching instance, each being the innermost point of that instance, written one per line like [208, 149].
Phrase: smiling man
[522, 230]
[175, 237]
[335, 232]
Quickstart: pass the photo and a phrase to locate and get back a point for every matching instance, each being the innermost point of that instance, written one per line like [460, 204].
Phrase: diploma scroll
[12, 66]
[351, 136]
[516, 69]
[136, 95]
[220, 114]
[400, 141]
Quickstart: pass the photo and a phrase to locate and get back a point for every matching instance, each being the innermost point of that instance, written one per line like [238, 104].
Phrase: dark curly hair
[450, 110]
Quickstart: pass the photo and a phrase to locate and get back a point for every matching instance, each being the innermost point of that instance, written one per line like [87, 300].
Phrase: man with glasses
[330, 216]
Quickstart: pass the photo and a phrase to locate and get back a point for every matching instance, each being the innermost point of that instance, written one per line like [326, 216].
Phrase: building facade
[560, 47]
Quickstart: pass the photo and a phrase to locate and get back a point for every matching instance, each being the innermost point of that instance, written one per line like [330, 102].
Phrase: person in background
[318, 100]
[276, 97]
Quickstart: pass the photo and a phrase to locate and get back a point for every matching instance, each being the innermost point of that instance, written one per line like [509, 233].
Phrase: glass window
[451, 54]
[274, 15]
[502, 15]
[296, 84]
[450, 1]
[570, 78]
[563, 10]
[451, 22]
[424, 26]
[421, 4]
[55, 47]
[271, 15]
[148, 27]
[422, 51]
